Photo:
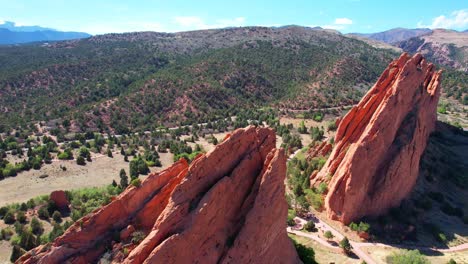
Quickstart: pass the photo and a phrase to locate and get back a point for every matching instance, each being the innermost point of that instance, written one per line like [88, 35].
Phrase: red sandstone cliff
[228, 206]
[378, 144]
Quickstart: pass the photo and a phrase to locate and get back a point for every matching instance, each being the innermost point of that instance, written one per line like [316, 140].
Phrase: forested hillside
[137, 81]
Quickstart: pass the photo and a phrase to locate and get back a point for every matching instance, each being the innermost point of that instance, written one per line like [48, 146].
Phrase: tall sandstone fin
[228, 206]
[375, 161]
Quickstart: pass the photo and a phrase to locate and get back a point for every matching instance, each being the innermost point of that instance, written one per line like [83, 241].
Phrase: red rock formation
[378, 144]
[60, 199]
[228, 206]
[319, 150]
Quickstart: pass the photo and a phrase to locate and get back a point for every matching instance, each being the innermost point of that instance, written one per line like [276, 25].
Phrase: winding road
[357, 246]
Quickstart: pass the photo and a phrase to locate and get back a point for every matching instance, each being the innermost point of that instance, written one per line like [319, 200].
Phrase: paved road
[357, 246]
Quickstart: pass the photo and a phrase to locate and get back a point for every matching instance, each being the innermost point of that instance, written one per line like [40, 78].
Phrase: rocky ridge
[227, 206]
[378, 145]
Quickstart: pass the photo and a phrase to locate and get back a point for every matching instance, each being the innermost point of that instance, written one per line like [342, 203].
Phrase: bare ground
[5, 252]
[324, 254]
[98, 173]
[380, 254]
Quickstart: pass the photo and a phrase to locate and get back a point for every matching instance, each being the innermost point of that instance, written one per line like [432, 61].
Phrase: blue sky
[105, 16]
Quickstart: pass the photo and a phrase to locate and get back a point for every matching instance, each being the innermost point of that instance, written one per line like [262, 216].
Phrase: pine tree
[123, 179]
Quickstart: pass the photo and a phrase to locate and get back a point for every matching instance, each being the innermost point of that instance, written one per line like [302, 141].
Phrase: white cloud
[456, 20]
[2, 21]
[335, 27]
[343, 21]
[339, 24]
[194, 22]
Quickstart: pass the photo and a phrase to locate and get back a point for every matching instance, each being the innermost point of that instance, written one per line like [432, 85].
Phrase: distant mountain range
[10, 33]
[395, 35]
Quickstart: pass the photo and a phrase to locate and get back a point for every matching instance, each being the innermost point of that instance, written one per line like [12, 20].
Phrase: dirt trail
[358, 245]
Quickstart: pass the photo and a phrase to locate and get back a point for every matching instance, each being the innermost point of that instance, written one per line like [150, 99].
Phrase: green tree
[16, 253]
[36, 226]
[328, 235]
[27, 240]
[43, 213]
[138, 166]
[9, 218]
[80, 160]
[21, 217]
[310, 226]
[302, 128]
[345, 245]
[57, 231]
[303, 203]
[306, 254]
[57, 216]
[123, 179]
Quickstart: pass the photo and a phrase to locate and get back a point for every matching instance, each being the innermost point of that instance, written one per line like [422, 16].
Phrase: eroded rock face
[228, 206]
[378, 145]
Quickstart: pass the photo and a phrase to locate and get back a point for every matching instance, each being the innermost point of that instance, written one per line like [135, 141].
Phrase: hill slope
[105, 81]
[395, 35]
[445, 47]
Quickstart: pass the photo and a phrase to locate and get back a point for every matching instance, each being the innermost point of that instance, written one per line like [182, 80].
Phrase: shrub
[9, 218]
[27, 240]
[31, 203]
[407, 256]
[57, 216]
[302, 128]
[137, 237]
[80, 160]
[316, 133]
[66, 155]
[328, 235]
[7, 233]
[51, 206]
[123, 179]
[138, 166]
[441, 237]
[21, 217]
[57, 231]
[23, 207]
[3, 211]
[303, 203]
[361, 227]
[364, 227]
[315, 199]
[322, 188]
[36, 226]
[331, 126]
[16, 253]
[136, 182]
[354, 226]
[345, 245]
[310, 226]
[43, 213]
